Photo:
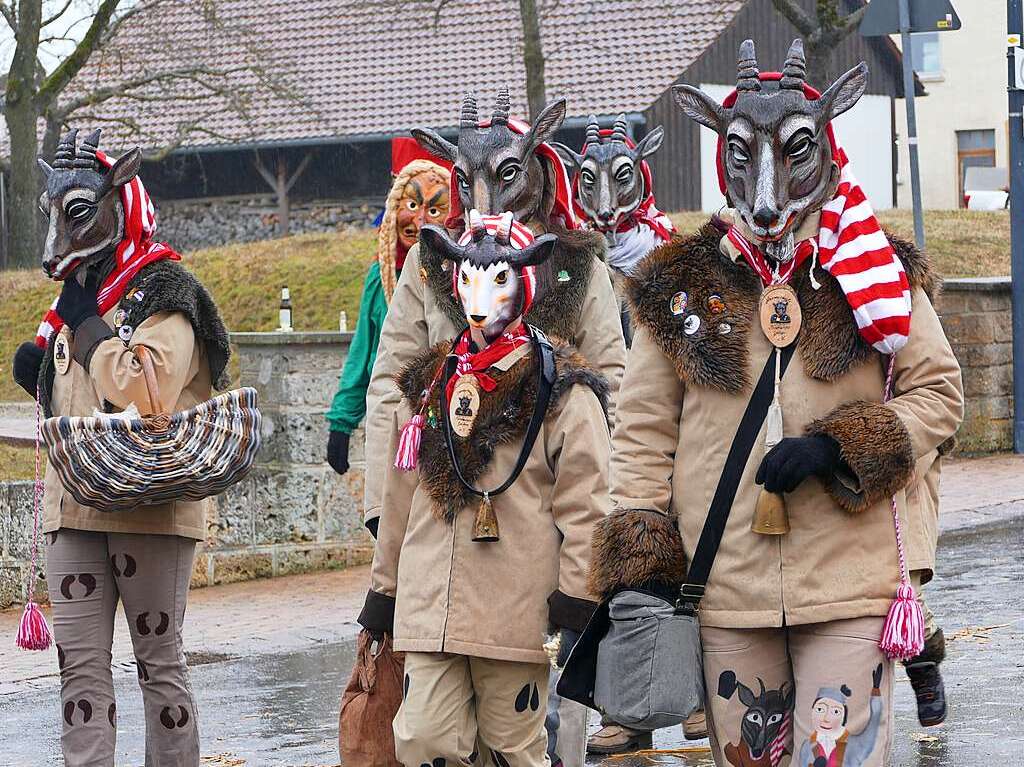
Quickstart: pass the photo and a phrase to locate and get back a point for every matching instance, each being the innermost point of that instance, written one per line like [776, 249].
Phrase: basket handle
[142, 354]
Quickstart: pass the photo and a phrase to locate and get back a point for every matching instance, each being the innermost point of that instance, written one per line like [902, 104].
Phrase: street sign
[883, 17]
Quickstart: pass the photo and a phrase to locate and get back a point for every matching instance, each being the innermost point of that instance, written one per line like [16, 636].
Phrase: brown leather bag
[369, 705]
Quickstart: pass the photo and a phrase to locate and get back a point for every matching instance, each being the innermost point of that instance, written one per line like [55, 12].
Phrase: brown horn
[619, 129]
[794, 71]
[85, 157]
[502, 107]
[747, 73]
[469, 117]
[64, 157]
[503, 234]
[476, 225]
[593, 132]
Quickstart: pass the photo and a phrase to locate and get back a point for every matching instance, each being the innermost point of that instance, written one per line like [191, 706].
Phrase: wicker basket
[112, 463]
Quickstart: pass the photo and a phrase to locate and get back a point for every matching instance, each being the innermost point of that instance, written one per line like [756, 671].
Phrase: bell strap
[692, 590]
[545, 382]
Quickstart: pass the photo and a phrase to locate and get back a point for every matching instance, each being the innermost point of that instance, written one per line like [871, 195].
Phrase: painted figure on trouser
[856, 384]
[418, 196]
[507, 431]
[121, 290]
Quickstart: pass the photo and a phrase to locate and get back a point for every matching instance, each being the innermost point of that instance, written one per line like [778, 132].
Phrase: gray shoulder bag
[639, 660]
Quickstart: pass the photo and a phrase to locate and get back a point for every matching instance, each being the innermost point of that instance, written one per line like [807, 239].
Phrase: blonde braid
[387, 237]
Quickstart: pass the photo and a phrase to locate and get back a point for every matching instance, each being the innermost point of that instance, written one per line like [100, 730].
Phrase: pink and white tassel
[33, 632]
[903, 630]
[409, 443]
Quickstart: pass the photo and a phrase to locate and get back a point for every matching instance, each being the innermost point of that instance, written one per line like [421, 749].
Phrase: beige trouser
[810, 688]
[929, 616]
[454, 702]
[87, 572]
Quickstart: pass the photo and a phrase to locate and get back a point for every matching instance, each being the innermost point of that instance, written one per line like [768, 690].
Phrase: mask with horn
[774, 151]
[496, 168]
[82, 200]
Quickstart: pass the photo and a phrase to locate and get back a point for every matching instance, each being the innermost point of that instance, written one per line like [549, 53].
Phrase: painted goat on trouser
[830, 404]
[120, 290]
[507, 432]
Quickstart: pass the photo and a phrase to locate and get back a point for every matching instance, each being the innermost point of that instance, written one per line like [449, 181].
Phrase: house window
[974, 149]
[925, 54]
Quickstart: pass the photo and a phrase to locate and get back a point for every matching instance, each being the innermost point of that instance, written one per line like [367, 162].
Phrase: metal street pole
[908, 95]
[1015, 26]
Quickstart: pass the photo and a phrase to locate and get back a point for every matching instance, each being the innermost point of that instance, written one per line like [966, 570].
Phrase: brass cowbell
[485, 527]
[770, 516]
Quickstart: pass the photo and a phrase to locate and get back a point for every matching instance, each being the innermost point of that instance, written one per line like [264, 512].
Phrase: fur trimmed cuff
[635, 548]
[378, 613]
[89, 335]
[566, 612]
[875, 445]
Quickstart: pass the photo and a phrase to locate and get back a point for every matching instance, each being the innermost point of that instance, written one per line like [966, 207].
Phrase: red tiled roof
[362, 67]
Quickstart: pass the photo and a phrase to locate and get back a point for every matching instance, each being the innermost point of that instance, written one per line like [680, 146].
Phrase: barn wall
[676, 166]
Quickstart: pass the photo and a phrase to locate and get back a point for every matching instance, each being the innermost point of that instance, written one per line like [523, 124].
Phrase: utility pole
[1015, 59]
[908, 96]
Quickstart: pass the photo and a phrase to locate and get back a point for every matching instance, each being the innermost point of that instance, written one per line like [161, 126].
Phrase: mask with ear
[82, 200]
[775, 146]
[611, 180]
[496, 162]
[494, 269]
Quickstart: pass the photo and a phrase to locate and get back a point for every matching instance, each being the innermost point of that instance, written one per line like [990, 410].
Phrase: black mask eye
[799, 148]
[586, 177]
[624, 174]
[462, 181]
[508, 172]
[739, 153]
[79, 211]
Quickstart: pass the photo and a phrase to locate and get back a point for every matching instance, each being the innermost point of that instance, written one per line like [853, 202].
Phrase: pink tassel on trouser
[33, 633]
[409, 443]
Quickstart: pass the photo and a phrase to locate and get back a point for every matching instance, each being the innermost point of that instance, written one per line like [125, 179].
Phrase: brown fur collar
[503, 417]
[829, 343]
[557, 308]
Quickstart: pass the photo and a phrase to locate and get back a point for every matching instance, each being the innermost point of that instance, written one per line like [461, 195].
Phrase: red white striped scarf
[135, 251]
[852, 247]
[562, 211]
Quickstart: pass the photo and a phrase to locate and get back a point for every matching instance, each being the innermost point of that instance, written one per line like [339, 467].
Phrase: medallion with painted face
[424, 201]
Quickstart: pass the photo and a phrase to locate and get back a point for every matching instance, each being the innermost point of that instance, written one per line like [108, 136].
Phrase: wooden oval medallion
[780, 315]
[465, 405]
[62, 351]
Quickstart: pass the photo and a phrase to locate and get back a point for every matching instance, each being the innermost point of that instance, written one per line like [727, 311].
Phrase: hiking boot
[616, 739]
[696, 726]
[926, 679]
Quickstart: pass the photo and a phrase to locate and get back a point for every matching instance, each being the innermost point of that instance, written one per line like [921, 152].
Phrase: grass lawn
[19, 462]
[325, 275]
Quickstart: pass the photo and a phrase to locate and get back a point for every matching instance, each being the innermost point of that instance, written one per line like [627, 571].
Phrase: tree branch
[805, 24]
[116, 23]
[60, 77]
[8, 14]
[852, 20]
[57, 15]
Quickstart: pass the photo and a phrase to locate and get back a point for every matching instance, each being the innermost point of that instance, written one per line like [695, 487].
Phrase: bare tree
[822, 30]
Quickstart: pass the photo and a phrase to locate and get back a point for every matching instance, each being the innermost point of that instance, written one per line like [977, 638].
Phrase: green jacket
[349, 404]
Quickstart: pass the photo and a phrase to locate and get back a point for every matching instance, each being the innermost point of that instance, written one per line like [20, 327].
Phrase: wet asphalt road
[281, 710]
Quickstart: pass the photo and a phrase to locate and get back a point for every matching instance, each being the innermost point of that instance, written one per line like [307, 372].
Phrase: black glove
[795, 459]
[569, 640]
[27, 361]
[337, 451]
[77, 303]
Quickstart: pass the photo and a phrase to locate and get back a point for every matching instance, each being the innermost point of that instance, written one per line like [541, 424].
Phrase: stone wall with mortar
[975, 314]
[291, 514]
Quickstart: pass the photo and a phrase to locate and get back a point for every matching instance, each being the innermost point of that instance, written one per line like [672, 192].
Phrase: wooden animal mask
[424, 200]
[777, 159]
[491, 269]
[82, 201]
[611, 185]
[496, 169]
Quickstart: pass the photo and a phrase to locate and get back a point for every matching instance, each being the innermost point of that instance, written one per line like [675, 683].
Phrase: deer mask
[492, 269]
[496, 168]
[82, 201]
[611, 184]
[774, 150]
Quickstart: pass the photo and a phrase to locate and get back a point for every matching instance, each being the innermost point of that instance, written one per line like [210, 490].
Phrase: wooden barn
[359, 73]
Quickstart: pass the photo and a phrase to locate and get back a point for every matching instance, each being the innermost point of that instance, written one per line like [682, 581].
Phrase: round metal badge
[780, 315]
[465, 405]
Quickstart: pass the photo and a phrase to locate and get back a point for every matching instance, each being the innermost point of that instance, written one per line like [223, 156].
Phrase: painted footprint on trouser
[142, 624]
[112, 715]
[86, 580]
[84, 706]
[167, 717]
[526, 698]
[130, 565]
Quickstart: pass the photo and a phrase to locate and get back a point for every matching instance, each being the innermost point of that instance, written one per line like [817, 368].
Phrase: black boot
[926, 679]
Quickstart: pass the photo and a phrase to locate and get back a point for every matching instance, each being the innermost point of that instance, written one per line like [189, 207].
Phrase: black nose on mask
[478, 317]
[765, 217]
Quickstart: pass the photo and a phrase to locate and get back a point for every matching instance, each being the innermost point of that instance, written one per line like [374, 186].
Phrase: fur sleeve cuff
[378, 613]
[875, 445]
[636, 548]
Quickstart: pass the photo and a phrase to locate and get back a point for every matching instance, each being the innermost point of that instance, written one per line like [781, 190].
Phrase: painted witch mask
[611, 184]
[775, 154]
[496, 168]
[493, 271]
[82, 201]
[424, 200]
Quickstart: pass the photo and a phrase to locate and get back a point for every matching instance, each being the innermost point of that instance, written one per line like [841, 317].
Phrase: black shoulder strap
[692, 590]
[545, 383]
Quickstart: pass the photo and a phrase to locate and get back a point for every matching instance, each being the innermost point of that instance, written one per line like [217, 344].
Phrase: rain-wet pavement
[281, 709]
